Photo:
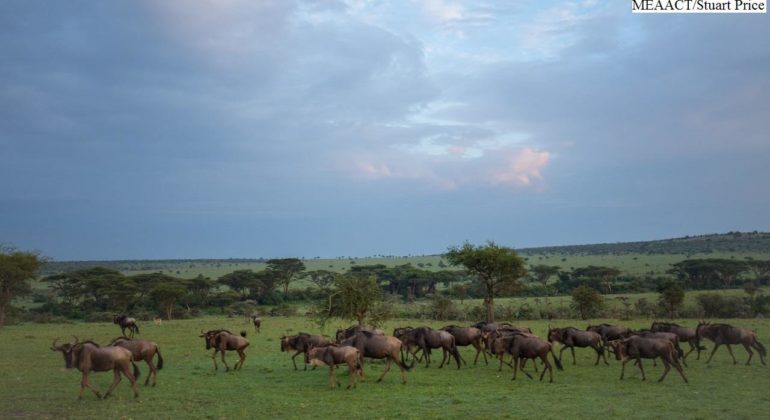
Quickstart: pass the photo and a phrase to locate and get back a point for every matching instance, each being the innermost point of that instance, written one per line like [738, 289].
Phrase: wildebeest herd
[353, 345]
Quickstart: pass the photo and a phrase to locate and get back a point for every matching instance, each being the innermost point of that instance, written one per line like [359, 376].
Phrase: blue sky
[237, 128]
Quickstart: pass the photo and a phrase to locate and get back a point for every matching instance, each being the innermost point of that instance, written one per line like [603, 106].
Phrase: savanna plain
[34, 382]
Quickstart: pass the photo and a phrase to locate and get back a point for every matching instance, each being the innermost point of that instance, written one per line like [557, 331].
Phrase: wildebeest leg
[332, 377]
[294, 362]
[242, 356]
[115, 382]
[571, 349]
[85, 382]
[444, 358]
[623, 367]
[639, 361]
[214, 358]
[667, 368]
[692, 347]
[729, 349]
[680, 370]
[716, 346]
[153, 371]
[562, 351]
[515, 361]
[227, 368]
[761, 350]
[387, 368]
[751, 353]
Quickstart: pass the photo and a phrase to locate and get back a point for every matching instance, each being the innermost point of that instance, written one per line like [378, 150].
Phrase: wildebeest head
[71, 351]
[620, 348]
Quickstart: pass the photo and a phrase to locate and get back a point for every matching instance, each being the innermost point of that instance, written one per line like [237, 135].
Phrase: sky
[324, 128]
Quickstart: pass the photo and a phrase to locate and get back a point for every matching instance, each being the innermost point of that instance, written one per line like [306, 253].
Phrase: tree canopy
[17, 268]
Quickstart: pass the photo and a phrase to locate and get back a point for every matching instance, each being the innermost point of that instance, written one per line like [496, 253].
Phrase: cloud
[524, 168]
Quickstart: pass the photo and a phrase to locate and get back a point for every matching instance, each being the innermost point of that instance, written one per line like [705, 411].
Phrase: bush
[715, 305]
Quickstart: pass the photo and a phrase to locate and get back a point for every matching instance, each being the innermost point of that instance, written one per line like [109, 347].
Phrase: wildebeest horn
[76, 339]
[53, 346]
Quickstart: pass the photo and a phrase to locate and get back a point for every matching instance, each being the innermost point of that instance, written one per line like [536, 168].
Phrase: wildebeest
[609, 332]
[572, 337]
[302, 343]
[727, 334]
[426, 338]
[636, 347]
[126, 323]
[222, 341]
[142, 350]
[257, 321]
[87, 356]
[378, 347]
[526, 346]
[685, 334]
[336, 355]
[468, 336]
[343, 334]
[673, 338]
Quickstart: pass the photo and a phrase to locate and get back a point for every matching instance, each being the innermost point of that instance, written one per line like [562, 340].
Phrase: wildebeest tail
[136, 328]
[136, 371]
[160, 358]
[556, 361]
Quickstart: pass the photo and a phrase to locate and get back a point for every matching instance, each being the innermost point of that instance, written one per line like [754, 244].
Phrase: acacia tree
[671, 296]
[285, 271]
[542, 273]
[167, 294]
[586, 300]
[354, 296]
[17, 268]
[495, 268]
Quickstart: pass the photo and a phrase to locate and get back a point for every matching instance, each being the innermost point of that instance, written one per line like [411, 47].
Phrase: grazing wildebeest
[302, 343]
[142, 350]
[572, 337]
[685, 334]
[468, 336]
[257, 321]
[526, 346]
[87, 356]
[126, 323]
[426, 338]
[332, 356]
[343, 334]
[727, 334]
[222, 341]
[636, 347]
[378, 347]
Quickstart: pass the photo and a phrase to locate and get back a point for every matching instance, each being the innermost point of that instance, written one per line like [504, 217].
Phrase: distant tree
[709, 273]
[760, 268]
[223, 299]
[166, 295]
[285, 270]
[200, 289]
[587, 301]
[671, 296]
[541, 273]
[241, 281]
[354, 297]
[494, 267]
[324, 279]
[601, 276]
[17, 268]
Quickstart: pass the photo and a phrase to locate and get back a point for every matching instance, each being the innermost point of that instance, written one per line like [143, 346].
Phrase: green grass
[35, 384]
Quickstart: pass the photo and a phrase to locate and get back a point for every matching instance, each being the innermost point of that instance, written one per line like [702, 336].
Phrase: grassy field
[35, 384]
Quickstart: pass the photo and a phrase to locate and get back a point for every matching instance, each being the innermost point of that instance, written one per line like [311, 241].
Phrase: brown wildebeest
[468, 336]
[378, 347]
[257, 321]
[523, 346]
[302, 343]
[609, 332]
[344, 334]
[87, 356]
[685, 334]
[142, 350]
[126, 323]
[636, 347]
[426, 338]
[727, 334]
[222, 341]
[572, 337]
[489, 331]
[332, 356]
[673, 338]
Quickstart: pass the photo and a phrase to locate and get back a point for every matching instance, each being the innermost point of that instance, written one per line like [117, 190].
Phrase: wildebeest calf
[336, 355]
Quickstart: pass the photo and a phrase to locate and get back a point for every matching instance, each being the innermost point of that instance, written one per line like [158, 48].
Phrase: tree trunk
[169, 310]
[490, 302]
[2, 315]
[285, 289]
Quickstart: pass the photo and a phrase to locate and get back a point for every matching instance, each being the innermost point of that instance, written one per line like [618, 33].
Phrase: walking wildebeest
[572, 337]
[257, 321]
[609, 332]
[332, 356]
[673, 338]
[727, 334]
[302, 343]
[126, 323]
[378, 347]
[222, 341]
[142, 350]
[343, 334]
[523, 346]
[639, 348]
[426, 338]
[468, 336]
[685, 334]
[87, 356]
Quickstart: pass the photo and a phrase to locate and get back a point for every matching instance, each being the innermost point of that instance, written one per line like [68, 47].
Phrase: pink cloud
[523, 168]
